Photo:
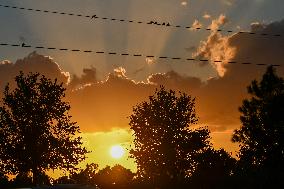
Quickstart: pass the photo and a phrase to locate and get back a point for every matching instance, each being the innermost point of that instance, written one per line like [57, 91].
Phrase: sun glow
[117, 151]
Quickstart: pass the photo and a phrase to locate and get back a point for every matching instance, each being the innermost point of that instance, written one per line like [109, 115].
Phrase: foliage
[86, 176]
[214, 169]
[165, 148]
[261, 134]
[4, 182]
[64, 180]
[114, 177]
[36, 131]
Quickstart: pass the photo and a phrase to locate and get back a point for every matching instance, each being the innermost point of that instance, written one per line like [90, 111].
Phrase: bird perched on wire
[94, 16]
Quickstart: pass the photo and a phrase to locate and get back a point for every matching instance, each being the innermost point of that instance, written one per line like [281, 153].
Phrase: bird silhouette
[23, 44]
[164, 23]
[168, 24]
[155, 22]
[94, 16]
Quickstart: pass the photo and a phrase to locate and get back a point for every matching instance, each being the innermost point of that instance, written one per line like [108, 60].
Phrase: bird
[23, 44]
[168, 24]
[94, 16]
[164, 23]
[155, 22]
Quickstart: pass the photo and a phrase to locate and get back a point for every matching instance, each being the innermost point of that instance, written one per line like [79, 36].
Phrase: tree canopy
[36, 131]
[261, 135]
[114, 177]
[165, 147]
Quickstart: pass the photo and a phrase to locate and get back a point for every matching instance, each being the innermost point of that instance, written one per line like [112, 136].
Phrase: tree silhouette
[4, 182]
[86, 176]
[165, 148]
[22, 180]
[64, 180]
[214, 170]
[114, 177]
[36, 131]
[261, 135]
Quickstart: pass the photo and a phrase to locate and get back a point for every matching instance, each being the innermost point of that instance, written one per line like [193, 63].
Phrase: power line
[23, 45]
[159, 24]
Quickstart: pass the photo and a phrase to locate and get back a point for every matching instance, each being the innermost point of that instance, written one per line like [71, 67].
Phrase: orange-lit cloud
[207, 16]
[196, 24]
[184, 3]
[216, 47]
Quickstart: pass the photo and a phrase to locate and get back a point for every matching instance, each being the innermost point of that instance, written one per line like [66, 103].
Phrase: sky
[102, 89]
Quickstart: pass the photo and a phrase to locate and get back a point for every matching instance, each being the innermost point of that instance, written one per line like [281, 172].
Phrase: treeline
[169, 150]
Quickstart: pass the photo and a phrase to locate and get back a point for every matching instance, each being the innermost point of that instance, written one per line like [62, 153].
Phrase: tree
[261, 135]
[64, 180]
[86, 176]
[214, 170]
[22, 180]
[165, 147]
[114, 177]
[4, 181]
[36, 131]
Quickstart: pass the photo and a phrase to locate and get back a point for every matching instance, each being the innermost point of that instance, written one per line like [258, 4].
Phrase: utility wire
[159, 24]
[23, 45]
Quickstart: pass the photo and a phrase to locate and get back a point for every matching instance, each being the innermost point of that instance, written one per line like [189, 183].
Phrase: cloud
[207, 16]
[184, 3]
[216, 47]
[32, 63]
[150, 61]
[173, 80]
[220, 97]
[196, 24]
[103, 105]
[256, 27]
[89, 76]
[220, 21]
[119, 72]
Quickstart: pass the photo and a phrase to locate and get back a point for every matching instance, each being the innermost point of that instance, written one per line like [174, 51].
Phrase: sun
[117, 151]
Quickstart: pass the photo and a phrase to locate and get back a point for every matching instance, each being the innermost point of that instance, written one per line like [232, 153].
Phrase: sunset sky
[102, 88]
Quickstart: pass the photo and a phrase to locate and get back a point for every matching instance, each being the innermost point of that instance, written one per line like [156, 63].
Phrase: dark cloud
[243, 47]
[105, 105]
[32, 63]
[89, 76]
[175, 81]
[220, 98]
